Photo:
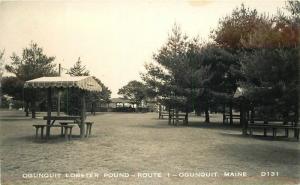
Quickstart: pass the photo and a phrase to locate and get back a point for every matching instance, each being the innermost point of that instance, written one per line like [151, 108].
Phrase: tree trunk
[285, 117]
[224, 112]
[252, 115]
[49, 105]
[206, 115]
[93, 109]
[26, 108]
[230, 113]
[169, 116]
[186, 117]
[296, 115]
[159, 111]
[243, 120]
[33, 108]
[176, 115]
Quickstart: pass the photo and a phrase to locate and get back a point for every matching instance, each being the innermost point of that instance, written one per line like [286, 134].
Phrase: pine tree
[32, 64]
[73, 99]
[78, 69]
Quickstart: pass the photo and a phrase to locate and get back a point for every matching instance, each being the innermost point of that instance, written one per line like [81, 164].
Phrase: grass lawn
[133, 143]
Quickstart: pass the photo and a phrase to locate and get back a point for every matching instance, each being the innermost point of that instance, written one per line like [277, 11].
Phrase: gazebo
[122, 101]
[84, 83]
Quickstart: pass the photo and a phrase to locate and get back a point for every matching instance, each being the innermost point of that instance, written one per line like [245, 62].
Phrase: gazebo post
[48, 113]
[83, 110]
[58, 102]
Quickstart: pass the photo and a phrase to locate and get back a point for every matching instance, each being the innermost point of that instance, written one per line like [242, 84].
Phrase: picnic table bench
[88, 126]
[65, 130]
[274, 128]
[162, 114]
[179, 117]
[227, 117]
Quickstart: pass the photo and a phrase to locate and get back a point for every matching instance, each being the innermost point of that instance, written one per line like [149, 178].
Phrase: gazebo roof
[239, 92]
[82, 82]
[120, 100]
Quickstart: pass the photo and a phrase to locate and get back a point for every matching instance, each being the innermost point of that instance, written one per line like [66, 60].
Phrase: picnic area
[140, 142]
[150, 92]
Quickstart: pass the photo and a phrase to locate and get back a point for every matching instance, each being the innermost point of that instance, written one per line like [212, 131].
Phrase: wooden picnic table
[178, 116]
[62, 118]
[226, 117]
[66, 125]
[162, 114]
[51, 120]
[66, 130]
[87, 123]
[274, 128]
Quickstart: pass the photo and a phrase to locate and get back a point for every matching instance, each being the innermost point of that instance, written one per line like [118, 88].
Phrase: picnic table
[274, 128]
[87, 123]
[61, 118]
[226, 117]
[66, 125]
[162, 114]
[66, 129]
[178, 116]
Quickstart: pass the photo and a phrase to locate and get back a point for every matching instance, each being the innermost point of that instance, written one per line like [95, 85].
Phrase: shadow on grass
[53, 139]
[261, 137]
[156, 118]
[15, 115]
[158, 126]
[194, 124]
[262, 154]
[214, 125]
[18, 119]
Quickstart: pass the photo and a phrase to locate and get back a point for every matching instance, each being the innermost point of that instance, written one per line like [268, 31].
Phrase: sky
[114, 39]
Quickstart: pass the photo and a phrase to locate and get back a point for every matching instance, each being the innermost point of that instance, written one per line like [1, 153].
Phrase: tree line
[33, 63]
[252, 52]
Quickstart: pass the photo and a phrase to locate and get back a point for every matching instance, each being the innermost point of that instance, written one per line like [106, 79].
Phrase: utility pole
[59, 92]
[59, 69]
